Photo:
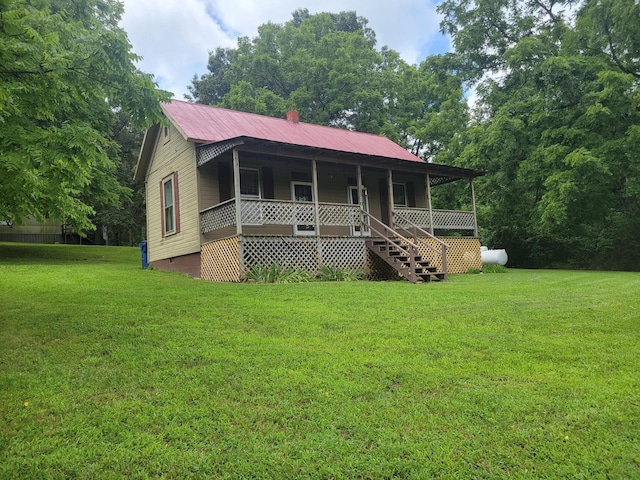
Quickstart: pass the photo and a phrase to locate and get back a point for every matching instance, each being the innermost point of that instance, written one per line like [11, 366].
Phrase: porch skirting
[228, 259]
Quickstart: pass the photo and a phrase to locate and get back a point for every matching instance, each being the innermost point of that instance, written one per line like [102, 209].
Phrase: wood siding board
[176, 155]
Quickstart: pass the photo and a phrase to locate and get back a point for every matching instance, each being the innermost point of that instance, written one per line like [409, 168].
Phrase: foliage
[494, 269]
[178, 378]
[124, 217]
[276, 274]
[65, 69]
[331, 273]
[326, 66]
[556, 127]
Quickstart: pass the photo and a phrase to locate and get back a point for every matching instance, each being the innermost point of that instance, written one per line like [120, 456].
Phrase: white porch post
[392, 220]
[316, 211]
[360, 202]
[428, 192]
[316, 206]
[473, 208]
[236, 189]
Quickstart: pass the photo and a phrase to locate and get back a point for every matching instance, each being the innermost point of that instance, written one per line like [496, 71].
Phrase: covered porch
[304, 212]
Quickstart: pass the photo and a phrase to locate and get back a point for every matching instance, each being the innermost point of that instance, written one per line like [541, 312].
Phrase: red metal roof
[207, 124]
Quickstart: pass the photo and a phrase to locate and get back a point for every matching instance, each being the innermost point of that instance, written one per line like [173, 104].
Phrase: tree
[327, 67]
[66, 68]
[557, 128]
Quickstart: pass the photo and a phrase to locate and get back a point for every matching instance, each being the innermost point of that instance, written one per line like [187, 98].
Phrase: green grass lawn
[110, 371]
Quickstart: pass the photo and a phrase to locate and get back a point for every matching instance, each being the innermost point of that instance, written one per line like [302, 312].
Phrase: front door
[353, 200]
[303, 212]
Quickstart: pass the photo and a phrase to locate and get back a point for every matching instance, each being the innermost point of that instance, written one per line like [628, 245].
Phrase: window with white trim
[169, 206]
[399, 195]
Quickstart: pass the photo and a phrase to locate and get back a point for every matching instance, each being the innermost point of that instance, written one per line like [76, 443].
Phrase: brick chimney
[292, 116]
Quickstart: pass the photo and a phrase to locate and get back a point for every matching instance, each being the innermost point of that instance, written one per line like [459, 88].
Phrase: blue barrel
[145, 254]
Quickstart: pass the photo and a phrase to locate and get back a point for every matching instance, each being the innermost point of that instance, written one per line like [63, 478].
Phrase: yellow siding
[173, 153]
[208, 185]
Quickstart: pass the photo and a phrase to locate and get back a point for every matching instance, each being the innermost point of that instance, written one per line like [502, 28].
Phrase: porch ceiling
[439, 174]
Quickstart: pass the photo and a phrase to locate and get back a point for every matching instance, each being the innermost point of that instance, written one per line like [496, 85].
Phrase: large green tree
[557, 126]
[66, 69]
[327, 67]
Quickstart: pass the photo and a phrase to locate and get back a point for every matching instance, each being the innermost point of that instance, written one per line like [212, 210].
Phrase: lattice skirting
[221, 260]
[304, 253]
[227, 260]
[463, 254]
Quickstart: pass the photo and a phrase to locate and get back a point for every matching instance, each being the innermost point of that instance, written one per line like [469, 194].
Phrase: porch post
[428, 191]
[392, 219]
[316, 211]
[316, 206]
[360, 202]
[236, 188]
[473, 208]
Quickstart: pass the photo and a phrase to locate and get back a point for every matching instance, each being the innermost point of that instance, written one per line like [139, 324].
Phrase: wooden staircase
[402, 253]
[410, 265]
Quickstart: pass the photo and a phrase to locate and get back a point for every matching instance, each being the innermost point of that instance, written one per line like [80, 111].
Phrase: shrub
[329, 273]
[276, 274]
[494, 269]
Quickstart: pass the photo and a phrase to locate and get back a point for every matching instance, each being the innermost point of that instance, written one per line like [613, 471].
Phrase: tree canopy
[557, 126]
[327, 67]
[66, 69]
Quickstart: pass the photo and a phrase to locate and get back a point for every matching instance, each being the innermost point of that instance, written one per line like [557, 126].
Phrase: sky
[175, 36]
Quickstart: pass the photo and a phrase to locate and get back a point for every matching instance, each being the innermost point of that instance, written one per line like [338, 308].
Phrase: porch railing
[442, 219]
[278, 212]
[420, 235]
[287, 212]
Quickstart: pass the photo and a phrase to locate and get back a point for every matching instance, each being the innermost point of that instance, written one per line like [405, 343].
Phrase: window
[170, 215]
[399, 195]
[250, 182]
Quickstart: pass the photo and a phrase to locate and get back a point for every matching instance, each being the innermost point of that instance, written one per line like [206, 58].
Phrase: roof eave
[146, 152]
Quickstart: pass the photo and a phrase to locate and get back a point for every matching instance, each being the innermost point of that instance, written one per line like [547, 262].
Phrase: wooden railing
[393, 239]
[414, 229]
[442, 219]
[288, 212]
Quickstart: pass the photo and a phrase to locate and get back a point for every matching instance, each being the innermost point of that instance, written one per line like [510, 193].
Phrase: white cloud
[175, 36]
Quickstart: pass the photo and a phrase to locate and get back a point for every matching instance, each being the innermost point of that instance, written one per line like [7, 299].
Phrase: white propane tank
[493, 257]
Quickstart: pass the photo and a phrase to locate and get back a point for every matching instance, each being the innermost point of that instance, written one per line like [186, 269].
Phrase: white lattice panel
[442, 219]
[343, 252]
[304, 253]
[276, 212]
[417, 216]
[251, 212]
[453, 220]
[339, 215]
[288, 252]
[220, 216]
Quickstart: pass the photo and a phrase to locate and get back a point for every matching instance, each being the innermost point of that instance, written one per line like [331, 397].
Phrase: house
[35, 231]
[228, 190]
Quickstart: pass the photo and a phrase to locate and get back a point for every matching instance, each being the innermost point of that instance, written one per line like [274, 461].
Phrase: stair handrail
[443, 246]
[412, 250]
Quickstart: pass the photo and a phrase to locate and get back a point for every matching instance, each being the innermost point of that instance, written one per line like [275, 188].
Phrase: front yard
[109, 371]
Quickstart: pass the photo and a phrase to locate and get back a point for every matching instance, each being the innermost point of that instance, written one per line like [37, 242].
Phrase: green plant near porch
[330, 273]
[276, 274]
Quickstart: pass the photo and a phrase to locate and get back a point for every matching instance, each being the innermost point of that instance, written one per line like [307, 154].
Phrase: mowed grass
[109, 371]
